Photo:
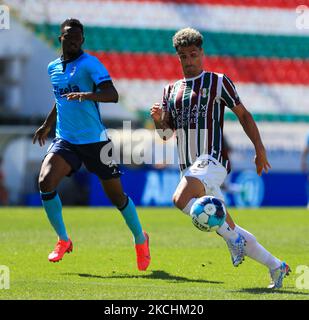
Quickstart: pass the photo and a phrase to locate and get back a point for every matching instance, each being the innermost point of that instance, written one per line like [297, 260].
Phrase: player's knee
[179, 201]
[46, 182]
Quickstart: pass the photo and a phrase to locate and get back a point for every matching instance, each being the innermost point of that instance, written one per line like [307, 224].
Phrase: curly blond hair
[187, 37]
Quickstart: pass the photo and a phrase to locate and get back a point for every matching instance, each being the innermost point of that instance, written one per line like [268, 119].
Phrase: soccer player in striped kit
[193, 110]
[80, 81]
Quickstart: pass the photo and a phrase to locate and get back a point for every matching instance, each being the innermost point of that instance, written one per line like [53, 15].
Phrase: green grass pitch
[186, 263]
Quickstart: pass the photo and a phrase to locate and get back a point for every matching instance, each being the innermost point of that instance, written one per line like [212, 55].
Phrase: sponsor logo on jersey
[62, 91]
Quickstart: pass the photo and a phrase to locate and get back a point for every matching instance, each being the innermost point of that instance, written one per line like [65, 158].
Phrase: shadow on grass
[157, 274]
[270, 291]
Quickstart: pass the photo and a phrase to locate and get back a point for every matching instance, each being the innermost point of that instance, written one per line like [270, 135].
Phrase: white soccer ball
[208, 213]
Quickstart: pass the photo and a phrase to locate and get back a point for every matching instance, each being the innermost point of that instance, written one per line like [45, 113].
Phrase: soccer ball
[208, 213]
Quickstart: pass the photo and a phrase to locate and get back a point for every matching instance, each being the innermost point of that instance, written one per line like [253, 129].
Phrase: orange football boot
[143, 254]
[61, 248]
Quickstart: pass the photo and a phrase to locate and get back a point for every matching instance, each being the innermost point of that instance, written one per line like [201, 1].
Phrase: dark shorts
[88, 154]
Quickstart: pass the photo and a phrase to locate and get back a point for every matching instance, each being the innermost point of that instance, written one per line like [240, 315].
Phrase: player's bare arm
[161, 120]
[252, 131]
[41, 134]
[107, 93]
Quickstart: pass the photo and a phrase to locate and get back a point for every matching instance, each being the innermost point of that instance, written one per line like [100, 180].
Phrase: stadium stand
[259, 48]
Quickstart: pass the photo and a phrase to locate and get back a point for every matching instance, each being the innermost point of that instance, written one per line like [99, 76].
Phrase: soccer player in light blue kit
[305, 165]
[80, 81]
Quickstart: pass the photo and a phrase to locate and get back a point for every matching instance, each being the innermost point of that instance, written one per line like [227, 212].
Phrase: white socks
[227, 232]
[187, 208]
[257, 252]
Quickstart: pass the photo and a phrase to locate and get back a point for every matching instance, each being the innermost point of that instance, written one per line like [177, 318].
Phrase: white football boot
[237, 250]
[277, 275]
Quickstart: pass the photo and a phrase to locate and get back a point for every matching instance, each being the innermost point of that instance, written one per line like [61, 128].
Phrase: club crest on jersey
[204, 92]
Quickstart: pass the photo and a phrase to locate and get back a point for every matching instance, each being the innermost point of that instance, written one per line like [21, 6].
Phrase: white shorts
[210, 172]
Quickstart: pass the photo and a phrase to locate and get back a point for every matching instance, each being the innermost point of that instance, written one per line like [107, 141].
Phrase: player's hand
[261, 162]
[156, 112]
[41, 135]
[80, 96]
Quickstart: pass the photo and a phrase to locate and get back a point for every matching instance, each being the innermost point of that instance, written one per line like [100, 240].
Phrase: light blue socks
[130, 215]
[53, 207]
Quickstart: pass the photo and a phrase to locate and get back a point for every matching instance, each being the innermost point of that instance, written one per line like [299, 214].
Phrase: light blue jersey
[78, 122]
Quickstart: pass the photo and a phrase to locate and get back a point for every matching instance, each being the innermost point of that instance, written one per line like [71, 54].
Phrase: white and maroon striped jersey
[196, 113]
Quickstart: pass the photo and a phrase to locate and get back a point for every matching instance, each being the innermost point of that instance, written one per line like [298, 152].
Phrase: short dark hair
[72, 23]
[187, 37]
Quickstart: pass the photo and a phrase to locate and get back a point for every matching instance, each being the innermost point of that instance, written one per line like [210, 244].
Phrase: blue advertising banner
[153, 187]
[146, 187]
